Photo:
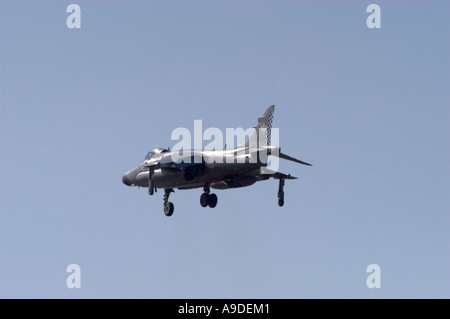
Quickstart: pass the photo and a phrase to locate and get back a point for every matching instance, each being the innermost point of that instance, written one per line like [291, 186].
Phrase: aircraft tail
[265, 122]
[264, 126]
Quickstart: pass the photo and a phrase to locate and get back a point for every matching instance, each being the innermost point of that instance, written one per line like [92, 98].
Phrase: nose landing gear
[168, 206]
[151, 183]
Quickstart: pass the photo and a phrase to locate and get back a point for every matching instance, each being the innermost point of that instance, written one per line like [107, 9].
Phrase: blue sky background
[368, 107]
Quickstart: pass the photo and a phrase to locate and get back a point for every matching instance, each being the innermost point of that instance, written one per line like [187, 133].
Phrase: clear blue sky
[368, 107]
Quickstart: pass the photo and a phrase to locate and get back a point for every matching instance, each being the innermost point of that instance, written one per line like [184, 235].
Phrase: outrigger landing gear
[281, 192]
[208, 199]
[168, 206]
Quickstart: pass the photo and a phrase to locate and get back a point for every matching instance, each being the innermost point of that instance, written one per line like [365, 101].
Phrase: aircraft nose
[126, 179]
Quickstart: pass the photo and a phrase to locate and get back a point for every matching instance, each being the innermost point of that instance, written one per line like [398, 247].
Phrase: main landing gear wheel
[204, 199]
[207, 199]
[212, 200]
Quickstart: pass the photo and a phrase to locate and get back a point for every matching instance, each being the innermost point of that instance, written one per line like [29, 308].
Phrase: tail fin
[264, 123]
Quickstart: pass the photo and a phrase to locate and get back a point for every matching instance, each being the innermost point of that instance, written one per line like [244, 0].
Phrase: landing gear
[212, 201]
[207, 199]
[151, 183]
[204, 199]
[168, 206]
[281, 192]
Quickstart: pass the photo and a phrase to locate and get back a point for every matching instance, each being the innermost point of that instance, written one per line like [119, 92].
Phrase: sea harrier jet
[241, 166]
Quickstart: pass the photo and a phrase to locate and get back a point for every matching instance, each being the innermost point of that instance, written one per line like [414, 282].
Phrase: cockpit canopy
[156, 151]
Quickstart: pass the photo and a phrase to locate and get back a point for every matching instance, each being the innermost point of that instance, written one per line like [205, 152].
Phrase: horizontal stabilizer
[289, 158]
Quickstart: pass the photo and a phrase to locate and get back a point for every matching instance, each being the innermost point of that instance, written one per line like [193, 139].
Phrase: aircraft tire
[204, 199]
[168, 208]
[280, 202]
[212, 202]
